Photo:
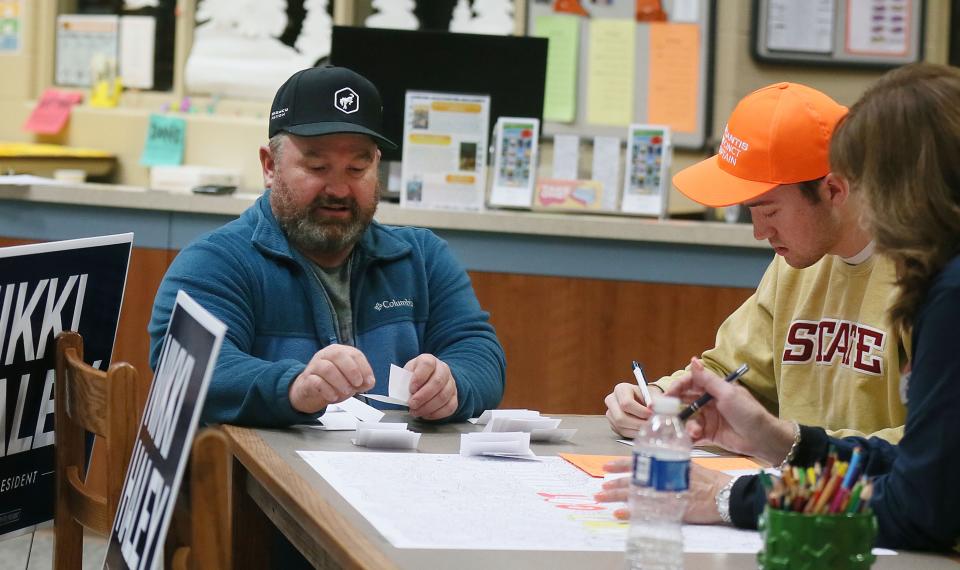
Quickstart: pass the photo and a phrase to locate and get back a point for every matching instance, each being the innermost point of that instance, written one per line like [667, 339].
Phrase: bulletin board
[848, 33]
[606, 70]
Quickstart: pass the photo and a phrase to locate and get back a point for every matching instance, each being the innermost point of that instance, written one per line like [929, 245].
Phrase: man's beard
[311, 235]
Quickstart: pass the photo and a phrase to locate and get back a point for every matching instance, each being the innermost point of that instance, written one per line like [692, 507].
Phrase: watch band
[723, 501]
[793, 448]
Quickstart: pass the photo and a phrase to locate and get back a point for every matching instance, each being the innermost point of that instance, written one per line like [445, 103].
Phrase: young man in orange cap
[815, 333]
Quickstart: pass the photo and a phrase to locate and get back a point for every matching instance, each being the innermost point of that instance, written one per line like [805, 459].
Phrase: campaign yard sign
[160, 454]
[47, 288]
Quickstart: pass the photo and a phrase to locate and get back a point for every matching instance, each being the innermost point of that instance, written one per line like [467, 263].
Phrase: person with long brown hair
[899, 148]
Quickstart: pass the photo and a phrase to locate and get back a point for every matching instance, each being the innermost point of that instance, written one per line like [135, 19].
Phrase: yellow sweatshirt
[819, 345]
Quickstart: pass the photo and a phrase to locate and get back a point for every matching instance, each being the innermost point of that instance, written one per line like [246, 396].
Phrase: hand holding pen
[705, 399]
[642, 383]
[629, 405]
[733, 419]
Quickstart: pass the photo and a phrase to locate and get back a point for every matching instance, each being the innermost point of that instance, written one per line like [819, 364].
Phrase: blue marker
[852, 468]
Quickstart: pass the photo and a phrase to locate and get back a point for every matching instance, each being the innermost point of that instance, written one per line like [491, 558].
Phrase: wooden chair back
[210, 510]
[108, 404]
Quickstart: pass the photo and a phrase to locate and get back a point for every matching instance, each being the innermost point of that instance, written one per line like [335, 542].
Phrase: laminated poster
[646, 182]
[444, 150]
[515, 162]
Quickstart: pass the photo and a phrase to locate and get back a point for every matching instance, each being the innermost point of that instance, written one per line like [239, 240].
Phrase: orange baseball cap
[779, 134]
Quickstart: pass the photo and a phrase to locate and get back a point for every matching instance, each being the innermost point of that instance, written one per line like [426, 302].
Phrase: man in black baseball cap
[328, 100]
[319, 300]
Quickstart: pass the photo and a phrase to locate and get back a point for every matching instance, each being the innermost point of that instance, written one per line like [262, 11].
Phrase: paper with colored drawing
[480, 503]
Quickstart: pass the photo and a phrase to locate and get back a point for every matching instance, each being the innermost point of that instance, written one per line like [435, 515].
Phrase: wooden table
[274, 486]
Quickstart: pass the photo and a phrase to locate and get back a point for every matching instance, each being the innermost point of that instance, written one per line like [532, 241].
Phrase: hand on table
[701, 499]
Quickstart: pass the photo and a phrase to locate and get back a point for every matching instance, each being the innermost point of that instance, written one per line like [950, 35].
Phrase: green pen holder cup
[797, 541]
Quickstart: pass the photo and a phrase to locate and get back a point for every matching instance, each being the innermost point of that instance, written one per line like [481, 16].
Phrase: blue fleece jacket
[409, 296]
[916, 496]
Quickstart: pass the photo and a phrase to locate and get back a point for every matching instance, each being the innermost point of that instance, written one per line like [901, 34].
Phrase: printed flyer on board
[444, 150]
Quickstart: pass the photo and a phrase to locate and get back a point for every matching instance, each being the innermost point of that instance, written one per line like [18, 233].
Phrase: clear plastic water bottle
[658, 490]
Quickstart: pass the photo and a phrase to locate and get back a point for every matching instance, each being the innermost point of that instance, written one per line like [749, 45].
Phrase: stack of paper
[386, 436]
[540, 428]
[501, 444]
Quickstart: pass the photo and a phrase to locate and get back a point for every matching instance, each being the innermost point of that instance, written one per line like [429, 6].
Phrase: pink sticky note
[52, 111]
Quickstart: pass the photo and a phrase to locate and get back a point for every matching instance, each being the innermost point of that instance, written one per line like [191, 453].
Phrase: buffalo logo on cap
[346, 100]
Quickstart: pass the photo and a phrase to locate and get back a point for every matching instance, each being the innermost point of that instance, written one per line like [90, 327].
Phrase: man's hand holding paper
[335, 373]
[433, 391]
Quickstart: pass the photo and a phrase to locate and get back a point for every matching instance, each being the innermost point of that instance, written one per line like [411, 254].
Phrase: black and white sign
[160, 453]
[45, 289]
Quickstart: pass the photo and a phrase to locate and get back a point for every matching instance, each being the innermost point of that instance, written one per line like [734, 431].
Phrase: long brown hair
[900, 146]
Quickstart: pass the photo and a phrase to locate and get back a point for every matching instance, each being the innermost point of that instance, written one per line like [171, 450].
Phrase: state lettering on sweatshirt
[832, 341]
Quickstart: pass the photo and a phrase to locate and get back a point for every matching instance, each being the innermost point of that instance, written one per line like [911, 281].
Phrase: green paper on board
[560, 91]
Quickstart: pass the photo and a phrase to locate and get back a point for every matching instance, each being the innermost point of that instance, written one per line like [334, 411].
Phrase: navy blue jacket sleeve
[459, 333]
[244, 389]
[916, 497]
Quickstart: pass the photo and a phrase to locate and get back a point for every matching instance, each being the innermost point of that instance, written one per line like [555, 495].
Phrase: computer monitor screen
[511, 69]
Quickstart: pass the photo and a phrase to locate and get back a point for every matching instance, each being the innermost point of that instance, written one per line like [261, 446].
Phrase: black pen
[703, 400]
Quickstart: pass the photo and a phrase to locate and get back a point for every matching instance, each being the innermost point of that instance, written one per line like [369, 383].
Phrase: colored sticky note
[52, 111]
[611, 71]
[674, 76]
[560, 91]
[165, 141]
[592, 465]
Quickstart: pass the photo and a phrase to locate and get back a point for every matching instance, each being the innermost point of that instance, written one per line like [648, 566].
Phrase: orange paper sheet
[592, 465]
[674, 76]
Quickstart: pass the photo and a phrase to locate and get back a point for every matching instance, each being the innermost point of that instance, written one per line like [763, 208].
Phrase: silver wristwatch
[723, 501]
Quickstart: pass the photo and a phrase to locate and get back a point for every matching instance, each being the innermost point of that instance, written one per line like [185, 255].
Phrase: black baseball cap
[328, 100]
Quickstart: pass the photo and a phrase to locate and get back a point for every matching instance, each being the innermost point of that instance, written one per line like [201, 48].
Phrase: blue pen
[642, 382]
[852, 468]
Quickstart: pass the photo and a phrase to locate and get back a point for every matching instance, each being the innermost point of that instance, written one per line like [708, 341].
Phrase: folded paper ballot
[486, 416]
[499, 444]
[398, 388]
[336, 420]
[558, 435]
[540, 428]
[361, 411]
[386, 436]
[521, 424]
[345, 415]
